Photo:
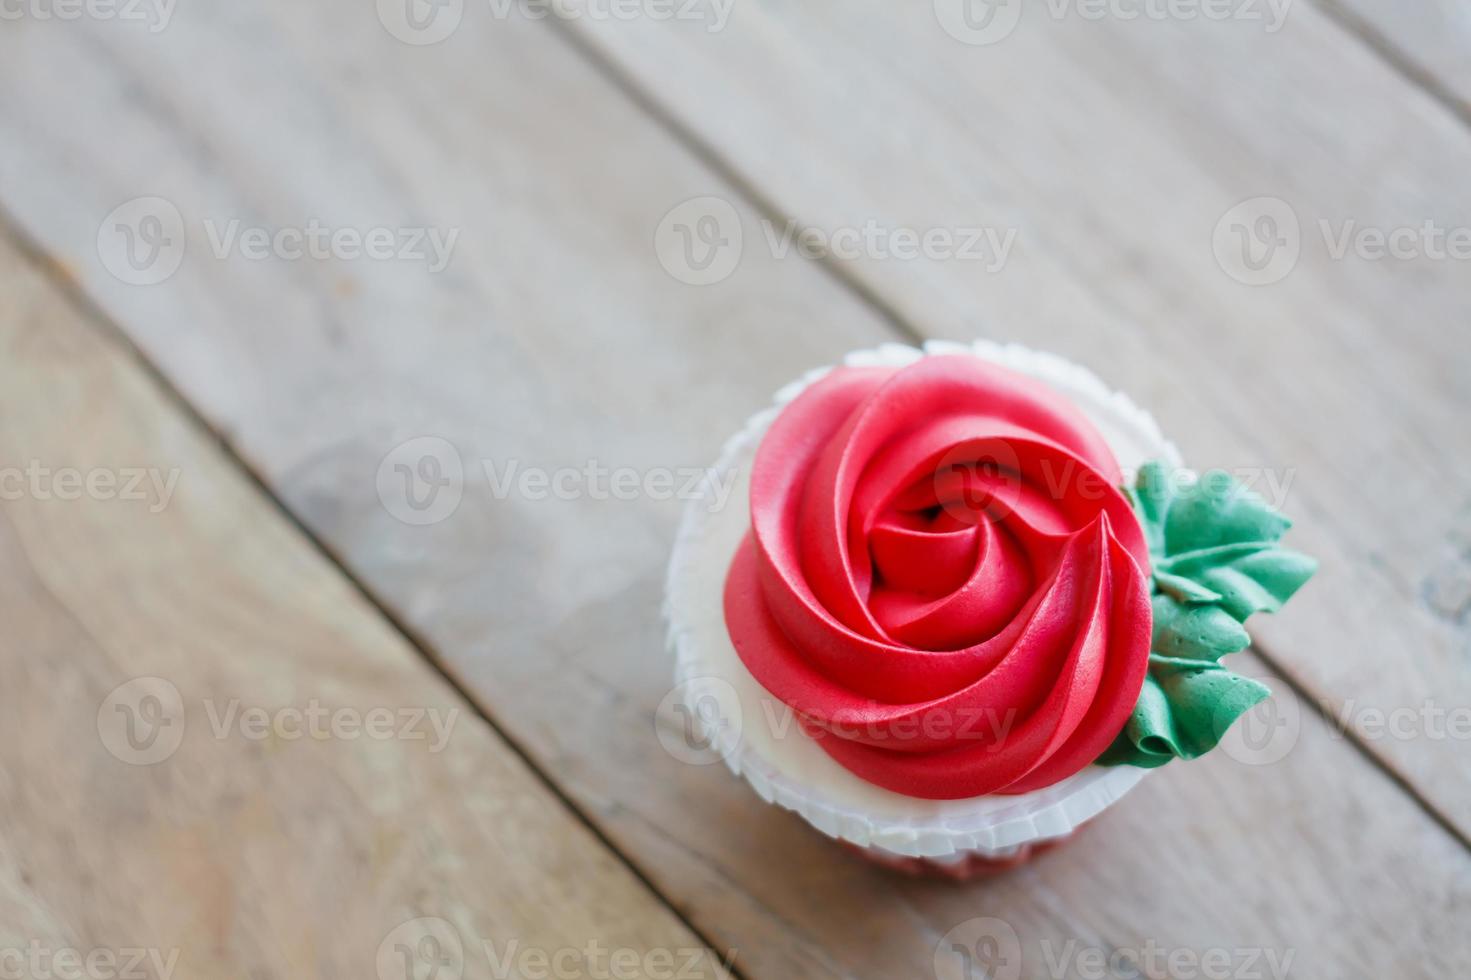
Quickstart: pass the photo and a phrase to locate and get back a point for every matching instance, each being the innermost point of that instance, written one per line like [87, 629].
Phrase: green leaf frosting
[1213, 545]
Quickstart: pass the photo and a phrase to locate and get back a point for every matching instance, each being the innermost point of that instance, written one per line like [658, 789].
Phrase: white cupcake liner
[757, 736]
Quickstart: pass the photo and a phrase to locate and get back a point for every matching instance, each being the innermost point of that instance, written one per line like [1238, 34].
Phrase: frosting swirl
[943, 579]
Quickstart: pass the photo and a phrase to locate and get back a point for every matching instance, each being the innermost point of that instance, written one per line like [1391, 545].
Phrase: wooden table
[209, 581]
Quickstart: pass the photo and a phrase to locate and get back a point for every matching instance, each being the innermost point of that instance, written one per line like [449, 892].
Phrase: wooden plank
[304, 788]
[556, 338]
[1428, 39]
[1116, 151]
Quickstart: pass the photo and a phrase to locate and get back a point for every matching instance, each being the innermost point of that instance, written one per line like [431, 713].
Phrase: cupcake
[950, 604]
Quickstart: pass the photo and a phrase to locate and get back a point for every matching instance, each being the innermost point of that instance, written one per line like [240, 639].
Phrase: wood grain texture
[238, 851]
[555, 338]
[1113, 150]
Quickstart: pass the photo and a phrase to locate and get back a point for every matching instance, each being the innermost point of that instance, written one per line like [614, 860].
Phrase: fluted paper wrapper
[735, 719]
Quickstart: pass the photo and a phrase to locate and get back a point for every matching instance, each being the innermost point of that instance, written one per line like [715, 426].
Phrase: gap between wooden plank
[92, 313]
[710, 157]
[1400, 60]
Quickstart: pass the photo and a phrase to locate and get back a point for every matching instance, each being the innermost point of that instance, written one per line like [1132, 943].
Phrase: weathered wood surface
[182, 830]
[1114, 150]
[1428, 39]
[555, 338]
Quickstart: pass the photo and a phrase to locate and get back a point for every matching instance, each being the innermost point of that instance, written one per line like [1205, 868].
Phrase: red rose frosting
[943, 579]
